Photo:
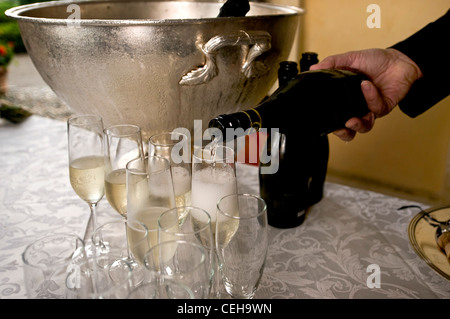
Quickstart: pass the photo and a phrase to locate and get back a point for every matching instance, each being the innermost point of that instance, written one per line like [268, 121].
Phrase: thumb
[339, 61]
[374, 100]
[325, 64]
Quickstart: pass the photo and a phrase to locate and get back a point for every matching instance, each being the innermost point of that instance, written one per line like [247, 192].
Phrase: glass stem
[217, 279]
[93, 208]
[126, 238]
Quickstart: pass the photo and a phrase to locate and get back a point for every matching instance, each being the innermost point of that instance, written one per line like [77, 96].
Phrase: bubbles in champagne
[228, 223]
[87, 177]
[116, 190]
[211, 184]
[182, 185]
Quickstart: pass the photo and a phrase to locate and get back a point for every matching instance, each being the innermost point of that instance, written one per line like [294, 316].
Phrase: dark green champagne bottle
[312, 103]
[320, 147]
[286, 190]
[303, 160]
[304, 109]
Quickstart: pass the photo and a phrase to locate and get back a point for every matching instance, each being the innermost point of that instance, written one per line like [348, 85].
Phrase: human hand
[391, 75]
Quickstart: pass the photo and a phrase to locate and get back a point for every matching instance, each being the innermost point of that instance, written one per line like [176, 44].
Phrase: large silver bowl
[157, 64]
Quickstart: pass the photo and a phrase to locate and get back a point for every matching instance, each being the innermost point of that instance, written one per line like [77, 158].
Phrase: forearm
[428, 48]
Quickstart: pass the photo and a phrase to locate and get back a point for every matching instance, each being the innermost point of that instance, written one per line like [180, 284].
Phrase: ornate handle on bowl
[258, 41]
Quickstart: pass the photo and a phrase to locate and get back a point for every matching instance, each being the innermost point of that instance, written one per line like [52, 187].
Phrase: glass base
[237, 293]
[90, 250]
[123, 269]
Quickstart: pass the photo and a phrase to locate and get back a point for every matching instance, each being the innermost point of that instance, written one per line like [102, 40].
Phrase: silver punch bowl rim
[25, 12]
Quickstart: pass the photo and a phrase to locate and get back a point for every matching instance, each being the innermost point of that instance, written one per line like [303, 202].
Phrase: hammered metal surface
[124, 59]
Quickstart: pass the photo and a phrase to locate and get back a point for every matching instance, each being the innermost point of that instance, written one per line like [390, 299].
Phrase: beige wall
[410, 156]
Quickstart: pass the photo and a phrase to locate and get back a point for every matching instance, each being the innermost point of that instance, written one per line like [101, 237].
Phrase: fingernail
[365, 86]
[342, 135]
[352, 124]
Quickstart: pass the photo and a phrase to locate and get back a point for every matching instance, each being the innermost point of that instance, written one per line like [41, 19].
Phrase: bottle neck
[308, 59]
[228, 124]
[286, 71]
[248, 121]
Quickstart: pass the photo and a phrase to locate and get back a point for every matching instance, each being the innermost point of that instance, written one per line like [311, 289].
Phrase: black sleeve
[429, 49]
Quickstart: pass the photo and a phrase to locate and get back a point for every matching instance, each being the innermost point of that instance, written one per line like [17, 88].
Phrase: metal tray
[422, 237]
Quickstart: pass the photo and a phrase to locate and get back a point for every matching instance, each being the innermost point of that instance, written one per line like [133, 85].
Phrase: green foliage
[13, 113]
[9, 29]
[5, 5]
[9, 32]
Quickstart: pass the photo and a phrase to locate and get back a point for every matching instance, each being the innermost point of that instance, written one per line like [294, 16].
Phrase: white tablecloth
[326, 257]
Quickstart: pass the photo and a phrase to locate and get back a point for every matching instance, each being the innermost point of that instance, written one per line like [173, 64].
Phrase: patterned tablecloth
[331, 255]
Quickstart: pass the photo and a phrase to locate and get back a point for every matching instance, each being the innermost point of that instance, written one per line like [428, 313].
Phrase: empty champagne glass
[190, 224]
[149, 192]
[182, 261]
[56, 267]
[117, 245]
[109, 288]
[242, 242]
[177, 149]
[86, 163]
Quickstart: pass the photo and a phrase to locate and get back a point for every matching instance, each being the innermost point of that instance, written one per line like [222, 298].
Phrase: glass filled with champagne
[86, 163]
[149, 192]
[213, 177]
[122, 143]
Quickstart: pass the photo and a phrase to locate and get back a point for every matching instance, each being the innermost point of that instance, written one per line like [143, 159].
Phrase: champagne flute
[182, 261]
[213, 177]
[86, 163]
[122, 143]
[191, 224]
[112, 243]
[149, 192]
[241, 242]
[176, 148]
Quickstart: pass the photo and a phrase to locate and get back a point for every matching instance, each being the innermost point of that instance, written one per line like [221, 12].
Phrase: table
[328, 256]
